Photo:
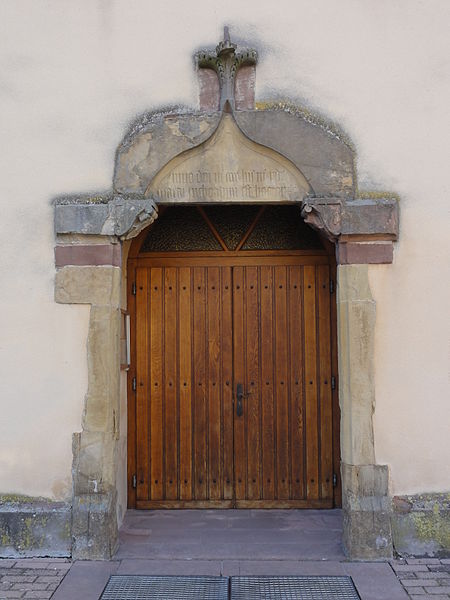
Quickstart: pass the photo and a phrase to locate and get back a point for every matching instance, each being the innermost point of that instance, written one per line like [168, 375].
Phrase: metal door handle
[239, 397]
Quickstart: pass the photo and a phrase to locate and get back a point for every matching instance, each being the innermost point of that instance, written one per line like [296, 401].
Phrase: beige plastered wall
[75, 73]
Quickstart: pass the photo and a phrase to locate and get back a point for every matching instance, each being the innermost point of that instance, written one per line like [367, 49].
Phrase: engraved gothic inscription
[229, 168]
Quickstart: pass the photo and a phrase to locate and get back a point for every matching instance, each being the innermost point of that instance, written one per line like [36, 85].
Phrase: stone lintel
[33, 527]
[421, 525]
[120, 216]
[358, 253]
[367, 511]
[371, 216]
[95, 255]
[364, 228]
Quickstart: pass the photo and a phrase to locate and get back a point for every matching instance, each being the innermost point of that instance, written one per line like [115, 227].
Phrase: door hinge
[133, 384]
[331, 286]
[134, 482]
[334, 480]
[133, 288]
[333, 382]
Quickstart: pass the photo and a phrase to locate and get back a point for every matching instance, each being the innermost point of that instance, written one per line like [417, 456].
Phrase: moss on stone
[21, 499]
[307, 115]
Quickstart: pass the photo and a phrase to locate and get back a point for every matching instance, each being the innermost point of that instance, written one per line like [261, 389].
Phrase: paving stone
[48, 579]
[442, 589]
[29, 586]
[7, 563]
[445, 561]
[423, 561]
[416, 592]
[19, 578]
[60, 566]
[12, 594]
[407, 583]
[409, 568]
[38, 572]
[40, 594]
[6, 585]
[434, 597]
[33, 563]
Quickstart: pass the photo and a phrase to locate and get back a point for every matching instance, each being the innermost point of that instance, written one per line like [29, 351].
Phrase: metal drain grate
[137, 587]
[293, 588]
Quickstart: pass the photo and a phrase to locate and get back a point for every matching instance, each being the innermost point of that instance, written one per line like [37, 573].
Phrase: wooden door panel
[283, 441]
[199, 384]
[252, 403]
[312, 438]
[325, 407]
[214, 355]
[143, 383]
[184, 392]
[296, 415]
[170, 382]
[239, 371]
[227, 443]
[185, 382]
[281, 382]
[201, 330]
[268, 453]
[155, 385]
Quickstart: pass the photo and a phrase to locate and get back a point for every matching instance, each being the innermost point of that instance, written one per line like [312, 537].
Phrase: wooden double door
[232, 386]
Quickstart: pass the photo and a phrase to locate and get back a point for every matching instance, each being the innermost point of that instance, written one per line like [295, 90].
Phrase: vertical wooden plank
[267, 384]
[170, 385]
[142, 379]
[252, 385]
[326, 411]
[282, 382]
[296, 383]
[185, 382]
[227, 381]
[214, 384]
[312, 438]
[131, 393]
[240, 446]
[156, 384]
[200, 384]
[337, 490]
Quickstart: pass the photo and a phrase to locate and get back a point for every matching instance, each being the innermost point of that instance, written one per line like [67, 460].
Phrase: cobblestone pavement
[31, 577]
[38, 578]
[424, 577]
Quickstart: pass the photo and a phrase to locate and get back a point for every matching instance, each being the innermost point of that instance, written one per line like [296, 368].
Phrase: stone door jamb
[90, 271]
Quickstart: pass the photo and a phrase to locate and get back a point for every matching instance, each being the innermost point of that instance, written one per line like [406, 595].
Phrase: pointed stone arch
[317, 165]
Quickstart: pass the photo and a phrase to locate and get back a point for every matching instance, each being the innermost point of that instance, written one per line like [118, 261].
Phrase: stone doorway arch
[316, 170]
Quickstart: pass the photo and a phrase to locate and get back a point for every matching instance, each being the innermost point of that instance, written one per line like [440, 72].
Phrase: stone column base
[94, 526]
[367, 512]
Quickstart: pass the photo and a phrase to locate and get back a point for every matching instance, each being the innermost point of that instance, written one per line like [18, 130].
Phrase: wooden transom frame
[232, 258]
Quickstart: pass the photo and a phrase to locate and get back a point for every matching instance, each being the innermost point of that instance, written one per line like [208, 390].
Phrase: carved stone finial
[324, 215]
[226, 62]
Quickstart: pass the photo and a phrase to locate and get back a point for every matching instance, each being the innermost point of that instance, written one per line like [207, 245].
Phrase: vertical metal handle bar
[239, 398]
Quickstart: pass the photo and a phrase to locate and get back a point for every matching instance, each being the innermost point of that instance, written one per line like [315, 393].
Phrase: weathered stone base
[94, 527]
[421, 525]
[31, 527]
[367, 510]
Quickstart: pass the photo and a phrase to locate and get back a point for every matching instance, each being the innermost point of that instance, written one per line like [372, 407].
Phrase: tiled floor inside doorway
[236, 535]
